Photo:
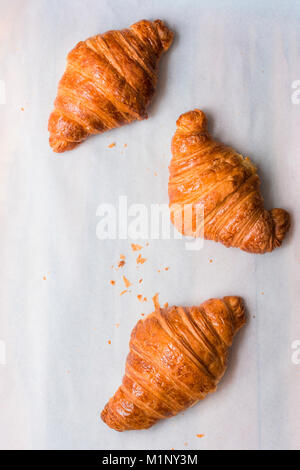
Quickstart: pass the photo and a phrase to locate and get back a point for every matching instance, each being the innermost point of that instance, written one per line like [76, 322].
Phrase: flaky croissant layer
[177, 356]
[207, 173]
[109, 81]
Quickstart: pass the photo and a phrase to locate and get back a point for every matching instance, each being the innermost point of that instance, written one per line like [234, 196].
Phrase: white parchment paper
[236, 60]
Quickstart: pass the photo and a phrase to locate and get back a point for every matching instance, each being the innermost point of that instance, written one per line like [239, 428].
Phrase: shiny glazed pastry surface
[108, 82]
[177, 356]
[207, 174]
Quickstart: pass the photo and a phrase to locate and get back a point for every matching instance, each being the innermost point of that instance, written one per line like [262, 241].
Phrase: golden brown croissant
[226, 185]
[177, 356]
[109, 81]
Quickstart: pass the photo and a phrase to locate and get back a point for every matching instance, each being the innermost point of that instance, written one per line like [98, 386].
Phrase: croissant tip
[282, 222]
[60, 145]
[192, 122]
[103, 413]
[107, 418]
[237, 306]
[165, 34]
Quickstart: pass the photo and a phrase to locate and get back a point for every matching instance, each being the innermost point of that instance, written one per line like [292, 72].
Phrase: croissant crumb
[177, 356]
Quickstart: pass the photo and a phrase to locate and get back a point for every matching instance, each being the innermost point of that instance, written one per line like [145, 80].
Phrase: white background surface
[236, 60]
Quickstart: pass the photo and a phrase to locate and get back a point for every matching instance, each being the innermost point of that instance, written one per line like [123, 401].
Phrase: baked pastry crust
[208, 174]
[108, 82]
[177, 356]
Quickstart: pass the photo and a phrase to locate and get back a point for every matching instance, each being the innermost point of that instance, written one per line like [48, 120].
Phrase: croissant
[177, 356]
[205, 173]
[109, 81]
